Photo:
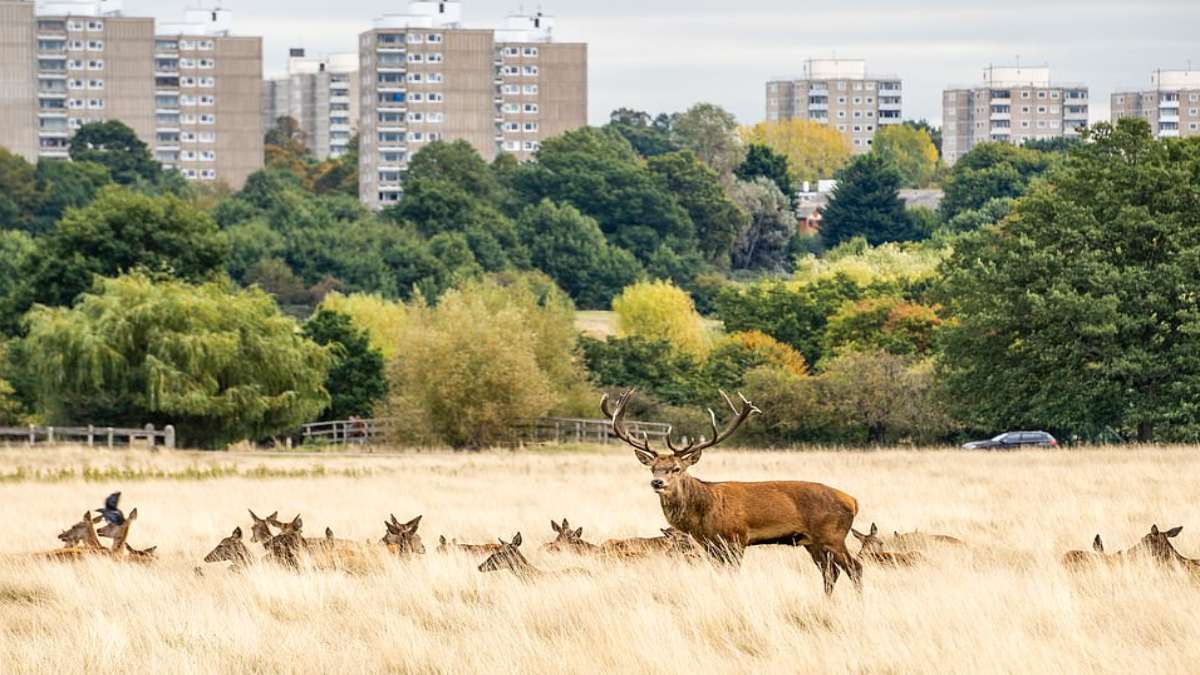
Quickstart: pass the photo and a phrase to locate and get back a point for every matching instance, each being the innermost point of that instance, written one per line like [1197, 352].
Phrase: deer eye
[676, 469]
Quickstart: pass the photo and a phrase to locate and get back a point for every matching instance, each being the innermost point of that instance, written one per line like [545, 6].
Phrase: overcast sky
[664, 55]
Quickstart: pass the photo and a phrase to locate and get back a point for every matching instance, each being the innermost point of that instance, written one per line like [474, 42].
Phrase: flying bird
[110, 512]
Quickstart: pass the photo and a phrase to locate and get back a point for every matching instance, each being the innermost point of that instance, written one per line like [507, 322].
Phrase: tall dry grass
[1003, 606]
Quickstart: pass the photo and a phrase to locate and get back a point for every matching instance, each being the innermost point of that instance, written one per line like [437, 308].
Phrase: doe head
[231, 549]
[871, 543]
[404, 536]
[1158, 543]
[260, 530]
[507, 558]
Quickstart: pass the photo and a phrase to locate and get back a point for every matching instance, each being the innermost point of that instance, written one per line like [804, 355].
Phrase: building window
[95, 26]
[512, 108]
[76, 45]
[416, 97]
[187, 45]
[510, 70]
[531, 51]
[530, 90]
[435, 97]
[96, 64]
[75, 84]
[512, 146]
[841, 99]
[531, 127]
[208, 156]
[207, 100]
[96, 104]
[435, 57]
[74, 64]
[512, 126]
[435, 38]
[208, 119]
[415, 38]
[415, 77]
[416, 57]
[531, 108]
[437, 117]
[1054, 94]
[95, 45]
[187, 81]
[511, 89]
[1041, 110]
[512, 51]
[205, 45]
[857, 100]
[95, 84]
[75, 25]
[208, 82]
[1025, 94]
[436, 78]
[207, 63]
[530, 71]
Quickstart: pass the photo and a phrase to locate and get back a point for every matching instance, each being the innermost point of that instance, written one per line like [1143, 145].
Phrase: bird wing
[111, 502]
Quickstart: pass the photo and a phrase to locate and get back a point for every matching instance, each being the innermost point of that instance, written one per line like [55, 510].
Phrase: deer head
[1158, 545]
[567, 539]
[293, 527]
[507, 558]
[666, 470]
[260, 531]
[79, 533]
[231, 549]
[404, 536]
[871, 543]
[145, 555]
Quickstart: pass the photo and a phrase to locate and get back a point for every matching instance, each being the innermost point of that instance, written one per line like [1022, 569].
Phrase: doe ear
[442, 539]
[237, 532]
[152, 549]
[329, 533]
[517, 539]
[273, 516]
[858, 535]
[1174, 531]
[556, 527]
[252, 516]
[579, 533]
[1098, 544]
[298, 522]
[413, 524]
[132, 515]
[1154, 529]
[874, 529]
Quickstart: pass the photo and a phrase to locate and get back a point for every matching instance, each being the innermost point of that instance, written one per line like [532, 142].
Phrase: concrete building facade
[424, 77]
[839, 93]
[1171, 104]
[322, 95]
[192, 93]
[1012, 105]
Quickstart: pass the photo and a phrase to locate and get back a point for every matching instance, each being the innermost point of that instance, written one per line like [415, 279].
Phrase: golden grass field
[1004, 606]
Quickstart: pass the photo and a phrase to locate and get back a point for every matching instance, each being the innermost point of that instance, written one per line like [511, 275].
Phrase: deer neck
[686, 507]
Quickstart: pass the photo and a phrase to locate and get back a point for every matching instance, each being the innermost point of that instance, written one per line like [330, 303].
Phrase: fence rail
[541, 430]
[90, 435]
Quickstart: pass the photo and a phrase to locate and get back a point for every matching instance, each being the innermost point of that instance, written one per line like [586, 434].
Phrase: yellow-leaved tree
[814, 150]
[659, 310]
[910, 150]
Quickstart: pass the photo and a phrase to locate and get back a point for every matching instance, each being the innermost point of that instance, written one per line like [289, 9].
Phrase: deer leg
[847, 562]
[824, 562]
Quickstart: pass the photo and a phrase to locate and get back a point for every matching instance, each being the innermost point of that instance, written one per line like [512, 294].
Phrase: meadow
[1004, 605]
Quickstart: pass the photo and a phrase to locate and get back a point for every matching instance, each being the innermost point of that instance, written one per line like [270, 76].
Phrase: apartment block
[1171, 104]
[207, 98]
[322, 95]
[1011, 105]
[191, 91]
[839, 93]
[424, 77]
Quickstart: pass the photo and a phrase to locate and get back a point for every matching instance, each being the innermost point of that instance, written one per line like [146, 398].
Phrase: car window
[999, 438]
[1031, 437]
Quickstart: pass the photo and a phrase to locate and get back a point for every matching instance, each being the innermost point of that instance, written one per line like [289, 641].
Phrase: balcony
[1169, 103]
[1169, 117]
[1168, 133]
[1001, 116]
[818, 106]
[890, 105]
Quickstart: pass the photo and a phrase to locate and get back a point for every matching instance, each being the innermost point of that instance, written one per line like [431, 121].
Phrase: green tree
[356, 381]
[990, 171]
[711, 132]
[697, 188]
[882, 398]
[62, 186]
[17, 249]
[221, 365]
[935, 133]
[116, 147]
[18, 192]
[887, 323]
[121, 231]
[653, 365]
[598, 172]
[658, 310]
[1075, 312]
[866, 202]
[570, 248]
[992, 212]
[650, 136]
[764, 239]
[276, 278]
[910, 150]
[762, 161]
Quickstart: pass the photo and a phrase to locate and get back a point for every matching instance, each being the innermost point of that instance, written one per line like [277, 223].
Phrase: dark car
[1015, 439]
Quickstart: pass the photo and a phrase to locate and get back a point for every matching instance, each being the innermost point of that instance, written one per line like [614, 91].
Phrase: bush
[356, 380]
[890, 324]
[658, 310]
[490, 356]
[877, 397]
[220, 364]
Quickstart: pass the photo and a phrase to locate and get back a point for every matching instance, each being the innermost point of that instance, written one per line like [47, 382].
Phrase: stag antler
[691, 449]
[617, 415]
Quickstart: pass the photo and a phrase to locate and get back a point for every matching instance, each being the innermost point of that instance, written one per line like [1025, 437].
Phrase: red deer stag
[726, 517]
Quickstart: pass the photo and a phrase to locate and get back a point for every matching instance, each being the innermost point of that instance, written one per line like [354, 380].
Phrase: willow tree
[221, 364]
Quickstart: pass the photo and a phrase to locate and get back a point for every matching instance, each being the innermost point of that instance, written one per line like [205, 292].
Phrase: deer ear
[874, 529]
[442, 539]
[555, 526]
[1174, 531]
[329, 533]
[152, 549]
[132, 515]
[237, 532]
[644, 457]
[858, 535]
[517, 540]
[252, 516]
[1098, 544]
[298, 522]
[690, 458]
[273, 516]
[579, 533]
[413, 524]
[1154, 529]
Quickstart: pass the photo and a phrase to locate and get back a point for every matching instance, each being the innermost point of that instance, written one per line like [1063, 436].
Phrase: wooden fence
[542, 430]
[90, 436]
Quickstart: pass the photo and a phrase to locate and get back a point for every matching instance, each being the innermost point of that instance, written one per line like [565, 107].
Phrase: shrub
[658, 310]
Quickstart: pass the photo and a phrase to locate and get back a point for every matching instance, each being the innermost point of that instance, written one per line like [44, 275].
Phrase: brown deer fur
[873, 551]
[1078, 559]
[672, 542]
[727, 517]
[569, 540]
[452, 545]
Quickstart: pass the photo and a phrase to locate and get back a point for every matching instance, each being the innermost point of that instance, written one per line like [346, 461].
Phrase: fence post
[110, 438]
[151, 437]
[50, 435]
[32, 435]
[91, 435]
[169, 436]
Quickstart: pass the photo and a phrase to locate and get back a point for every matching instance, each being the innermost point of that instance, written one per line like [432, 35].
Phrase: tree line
[1049, 289]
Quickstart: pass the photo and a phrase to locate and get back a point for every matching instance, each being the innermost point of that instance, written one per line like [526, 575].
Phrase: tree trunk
[1145, 432]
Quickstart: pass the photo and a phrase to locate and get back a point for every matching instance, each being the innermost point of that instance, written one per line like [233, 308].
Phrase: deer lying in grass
[872, 550]
[726, 517]
[672, 542]
[88, 542]
[1079, 559]
[569, 540]
[231, 550]
[401, 538]
[923, 541]
[508, 557]
[452, 546]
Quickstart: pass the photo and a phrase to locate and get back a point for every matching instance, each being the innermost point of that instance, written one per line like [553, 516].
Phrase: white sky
[664, 55]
